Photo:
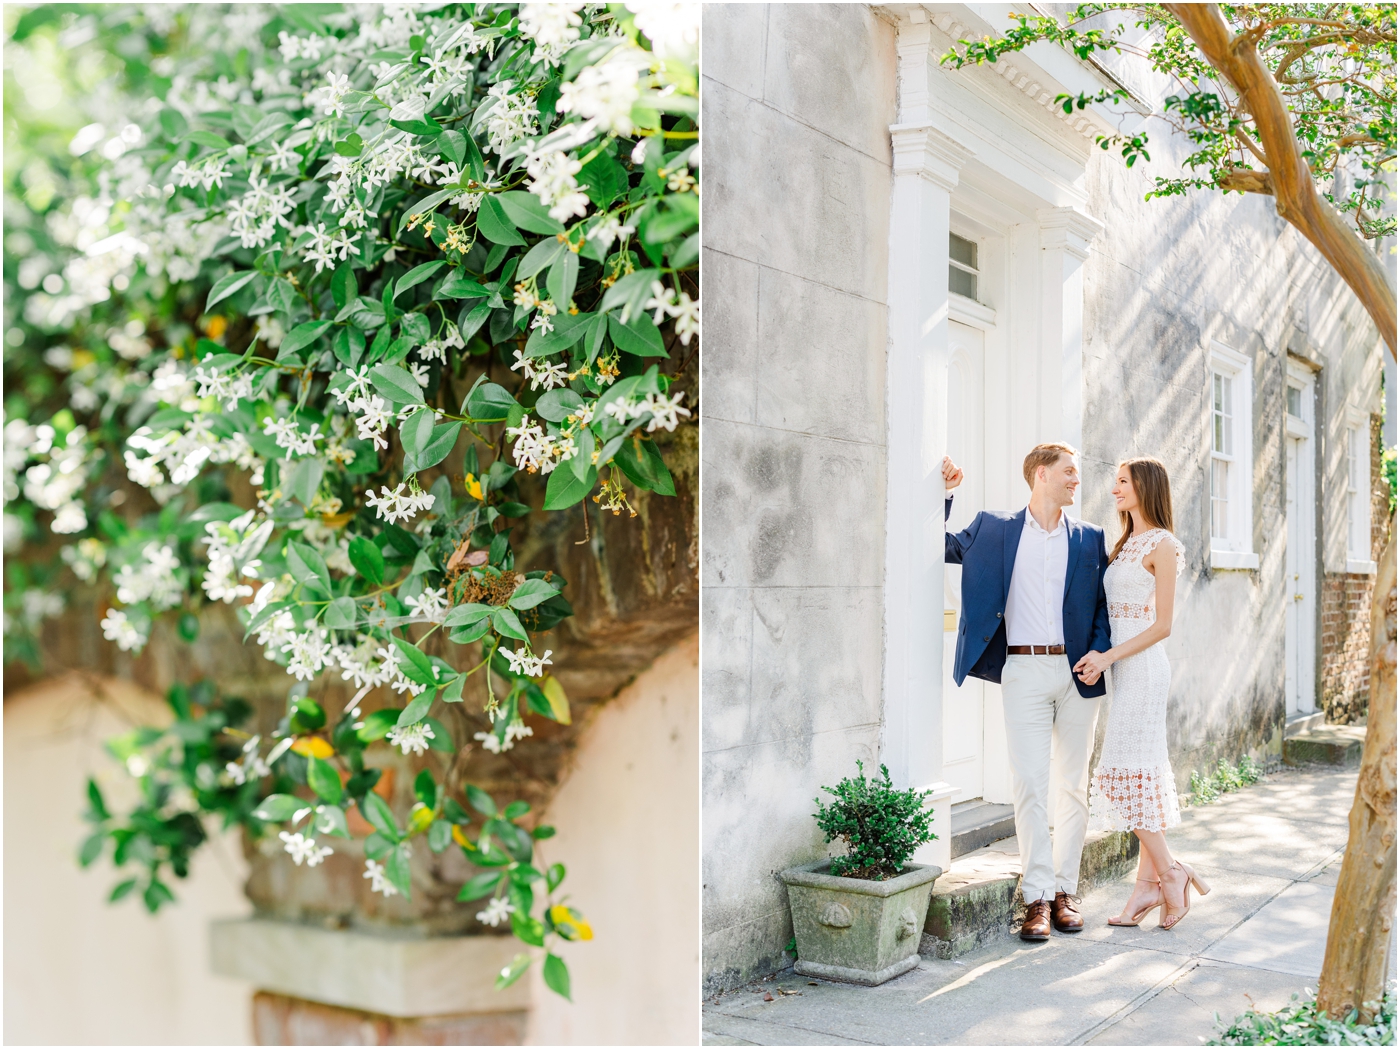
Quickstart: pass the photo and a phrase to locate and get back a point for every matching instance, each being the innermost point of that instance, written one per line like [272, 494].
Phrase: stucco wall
[797, 102]
[79, 971]
[1164, 278]
[629, 833]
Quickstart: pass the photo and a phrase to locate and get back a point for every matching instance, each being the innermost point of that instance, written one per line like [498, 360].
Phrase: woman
[1132, 788]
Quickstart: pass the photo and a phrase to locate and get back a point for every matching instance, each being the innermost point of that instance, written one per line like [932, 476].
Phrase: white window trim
[1237, 551]
[1360, 422]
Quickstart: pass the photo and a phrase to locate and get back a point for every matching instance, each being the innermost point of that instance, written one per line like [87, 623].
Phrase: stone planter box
[854, 930]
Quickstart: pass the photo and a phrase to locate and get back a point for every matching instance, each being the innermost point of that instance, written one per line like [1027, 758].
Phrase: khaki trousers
[1050, 737]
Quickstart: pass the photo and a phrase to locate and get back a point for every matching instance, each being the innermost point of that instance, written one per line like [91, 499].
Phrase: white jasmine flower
[609, 230]
[300, 848]
[430, 604]
[379, 880]
[400, 504]
[117, 627]
[499, 909]
[664, 411]
[411, 738]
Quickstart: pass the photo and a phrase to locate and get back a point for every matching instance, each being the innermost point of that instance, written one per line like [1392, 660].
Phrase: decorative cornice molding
[925, 151]
[1068, 229]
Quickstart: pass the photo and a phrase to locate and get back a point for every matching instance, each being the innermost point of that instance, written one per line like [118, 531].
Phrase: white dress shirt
[1035, 605]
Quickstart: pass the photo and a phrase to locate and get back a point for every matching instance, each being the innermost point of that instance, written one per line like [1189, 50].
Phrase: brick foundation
[281, 1020]
[1345, 685]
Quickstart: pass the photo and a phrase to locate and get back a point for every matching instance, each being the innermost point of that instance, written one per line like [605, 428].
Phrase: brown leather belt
[1035, 650]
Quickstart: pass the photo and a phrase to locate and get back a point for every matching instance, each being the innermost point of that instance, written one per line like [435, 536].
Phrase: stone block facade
[1345, 672]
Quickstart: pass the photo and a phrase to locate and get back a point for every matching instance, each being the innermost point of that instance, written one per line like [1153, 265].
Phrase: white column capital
[925, 151]
[1069, 230]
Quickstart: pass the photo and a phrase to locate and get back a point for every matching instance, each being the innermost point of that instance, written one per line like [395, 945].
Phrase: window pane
[1219, 501]
[1218, 436]
[960, 282]
[1218, 381]
[1295, 402]
[962, 250]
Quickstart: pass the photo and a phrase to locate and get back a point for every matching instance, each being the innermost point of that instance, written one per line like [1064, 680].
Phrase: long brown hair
[1154, 493]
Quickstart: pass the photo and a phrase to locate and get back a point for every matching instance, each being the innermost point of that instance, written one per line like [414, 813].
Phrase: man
[1032, 606]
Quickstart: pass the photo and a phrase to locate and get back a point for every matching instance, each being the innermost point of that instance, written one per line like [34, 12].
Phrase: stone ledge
[974, 902]
[392, 976]
[1326, 745]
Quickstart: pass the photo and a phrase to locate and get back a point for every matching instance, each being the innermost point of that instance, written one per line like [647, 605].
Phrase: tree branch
[1295, 194]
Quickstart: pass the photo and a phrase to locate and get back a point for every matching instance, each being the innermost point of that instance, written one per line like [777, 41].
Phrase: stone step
[980, 823]
[975, 899]
[1328, 745]
[1300, 723]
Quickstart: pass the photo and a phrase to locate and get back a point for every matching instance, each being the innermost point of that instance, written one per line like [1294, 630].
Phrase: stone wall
[1345, 673]
[797, 102]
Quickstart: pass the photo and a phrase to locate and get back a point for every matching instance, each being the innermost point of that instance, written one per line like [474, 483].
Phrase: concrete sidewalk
[1271, 854]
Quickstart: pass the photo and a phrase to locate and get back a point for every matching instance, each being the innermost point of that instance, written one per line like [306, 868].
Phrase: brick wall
[1346, 613]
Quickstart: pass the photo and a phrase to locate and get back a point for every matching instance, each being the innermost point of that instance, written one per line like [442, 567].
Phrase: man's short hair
[1044, 455]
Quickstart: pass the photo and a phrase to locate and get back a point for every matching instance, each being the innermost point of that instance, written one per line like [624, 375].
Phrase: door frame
[1301, 656]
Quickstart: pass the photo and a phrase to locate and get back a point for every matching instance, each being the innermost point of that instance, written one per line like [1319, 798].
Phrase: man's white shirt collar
[1059, 525]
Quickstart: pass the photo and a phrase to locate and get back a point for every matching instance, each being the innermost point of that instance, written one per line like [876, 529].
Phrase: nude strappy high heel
[1169, 919]
[1143, 913]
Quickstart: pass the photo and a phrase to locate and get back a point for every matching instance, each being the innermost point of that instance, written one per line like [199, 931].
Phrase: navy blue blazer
[987, 551]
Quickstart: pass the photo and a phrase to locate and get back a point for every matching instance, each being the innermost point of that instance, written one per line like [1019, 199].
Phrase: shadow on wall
[80, 971]
[629, 828]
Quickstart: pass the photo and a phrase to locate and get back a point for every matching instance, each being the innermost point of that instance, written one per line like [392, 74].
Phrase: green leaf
[639, 336]
[367, 559]
[417, 707]
[344, 287]
[490, 402]
[481, 801]
[526, 212]
[278, 807]
[491, 220]
[307, 715]
[416, 431]
[516, 809]
[558, 405]
[303, 480]
[376, 810]
[226, 286]
[481, 885]
[641, 461]
[505, 622]
[538, 257]
[567, 331]
[281, 295]
[378, 724]
[92, 848]
[426, 126]
[512, 972]
[542, 832]
[527, 930]
[330, 819]
[122, 890]
[376, 845]
[442, 739]
[342, 614]
[603, 179]
[396, 384]
[439, 835]
[554, 876]
[564, 489]
[530, 593]
[459, 286]
[96, 801]
[397, 870]
[208, 138]
[307, 565]
[563, 277]
[558, 699]
[156, 894]
[323, 780]
[464, 615]
[419, 667]
[301, 336]
[556, 975]
[465, 635]
[443, 440]
[417, 275]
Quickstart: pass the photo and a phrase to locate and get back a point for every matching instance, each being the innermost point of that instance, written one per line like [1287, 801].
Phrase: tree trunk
[1353, 971]
[1295, 194]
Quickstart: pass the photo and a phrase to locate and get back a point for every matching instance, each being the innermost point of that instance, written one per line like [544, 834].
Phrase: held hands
[1091, 667]
[952, 476]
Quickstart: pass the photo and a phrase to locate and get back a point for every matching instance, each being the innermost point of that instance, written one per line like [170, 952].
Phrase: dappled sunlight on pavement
[1270, 853]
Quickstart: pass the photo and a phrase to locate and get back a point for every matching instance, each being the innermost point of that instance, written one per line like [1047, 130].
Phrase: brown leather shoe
[1065, 914]
[1036, 926]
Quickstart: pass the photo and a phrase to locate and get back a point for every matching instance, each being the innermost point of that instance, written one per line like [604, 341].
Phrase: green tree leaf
[564, 489]
[530, 593]
[278, 807]
[396, 384]
[556, 976]
[481, 885]
[513, 971]
[505, 622]
[639, 336]
[376, 810]
[526, 212]
[367, 559]
[226, 286]
[323, 780]
[491, 220]
[417, 275]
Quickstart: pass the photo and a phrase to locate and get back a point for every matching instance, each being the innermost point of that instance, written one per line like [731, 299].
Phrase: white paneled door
[1300, 591]
[963, 708]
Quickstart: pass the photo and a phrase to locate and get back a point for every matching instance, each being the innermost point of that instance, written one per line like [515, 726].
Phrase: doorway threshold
[979, 823]
[1299, 724]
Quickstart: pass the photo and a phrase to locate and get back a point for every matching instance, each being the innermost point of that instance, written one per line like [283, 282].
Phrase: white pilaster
[1065, 236]
[926, 166]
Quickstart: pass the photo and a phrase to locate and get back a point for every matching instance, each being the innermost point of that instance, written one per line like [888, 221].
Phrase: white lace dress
[1132, 787]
